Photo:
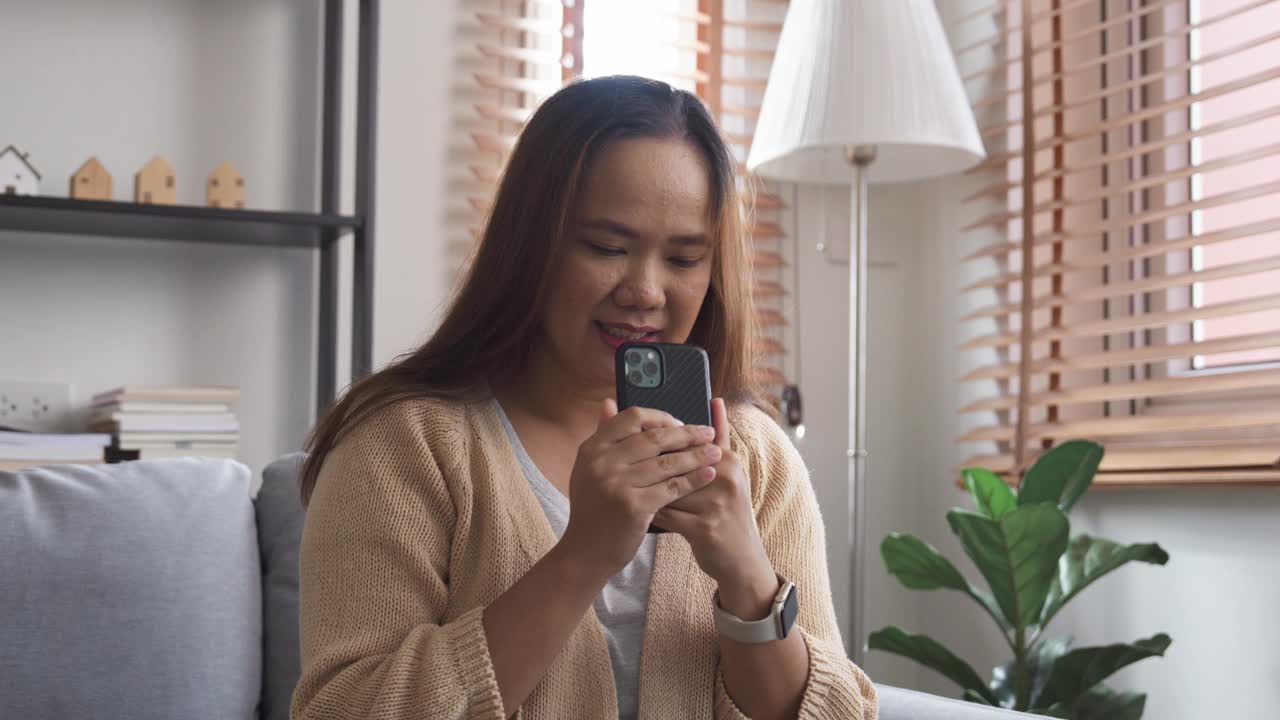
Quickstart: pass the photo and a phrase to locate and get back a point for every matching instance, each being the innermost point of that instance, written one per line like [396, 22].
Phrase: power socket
[35, 406]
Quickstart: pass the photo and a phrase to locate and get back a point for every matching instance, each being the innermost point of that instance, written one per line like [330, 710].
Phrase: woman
[475, 543]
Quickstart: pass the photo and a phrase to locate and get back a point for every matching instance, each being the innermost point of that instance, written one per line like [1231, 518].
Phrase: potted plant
[1020, 543]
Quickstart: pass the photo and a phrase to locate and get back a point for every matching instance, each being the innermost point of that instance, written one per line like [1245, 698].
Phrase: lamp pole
[860, 157]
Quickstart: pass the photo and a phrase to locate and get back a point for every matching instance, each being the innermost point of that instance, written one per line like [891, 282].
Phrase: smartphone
[665, 376]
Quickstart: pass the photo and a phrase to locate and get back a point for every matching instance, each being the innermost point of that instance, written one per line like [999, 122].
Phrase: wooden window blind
[1125, 258]
[750, 39]
[733, 44]
[511, 55]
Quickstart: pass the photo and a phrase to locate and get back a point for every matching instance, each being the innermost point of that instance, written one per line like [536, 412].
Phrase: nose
[640, 287]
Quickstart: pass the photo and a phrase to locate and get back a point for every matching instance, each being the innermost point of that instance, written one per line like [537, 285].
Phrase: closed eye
[685, 262]
[606, 250]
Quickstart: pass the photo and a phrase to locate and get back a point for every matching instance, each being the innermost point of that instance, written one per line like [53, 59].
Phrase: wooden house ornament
[225, 188]
[17, 175]
[91, 181]
[155, 183]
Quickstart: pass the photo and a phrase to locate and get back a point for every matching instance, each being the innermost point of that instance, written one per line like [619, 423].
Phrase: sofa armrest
[900, 704]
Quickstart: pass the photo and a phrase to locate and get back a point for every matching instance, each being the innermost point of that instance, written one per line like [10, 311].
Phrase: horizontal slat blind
[725, 49]
[750, 30]
[1124, 281]
[511, 55]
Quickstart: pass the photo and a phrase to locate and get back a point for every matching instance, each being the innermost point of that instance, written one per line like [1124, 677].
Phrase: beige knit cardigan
[421, 517]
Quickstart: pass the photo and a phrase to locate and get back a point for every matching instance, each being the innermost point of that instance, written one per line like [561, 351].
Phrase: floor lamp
[862, 91]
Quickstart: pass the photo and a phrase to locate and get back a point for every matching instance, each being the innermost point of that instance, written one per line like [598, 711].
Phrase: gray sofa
[161, 589]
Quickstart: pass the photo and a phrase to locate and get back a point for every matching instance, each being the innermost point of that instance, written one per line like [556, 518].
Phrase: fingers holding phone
[638, 461]
[720, 524]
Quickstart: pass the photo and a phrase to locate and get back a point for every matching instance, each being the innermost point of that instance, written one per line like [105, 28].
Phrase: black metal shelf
[320, 231]
[184, 223]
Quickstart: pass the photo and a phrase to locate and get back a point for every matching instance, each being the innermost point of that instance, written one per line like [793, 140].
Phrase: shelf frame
[322, 231]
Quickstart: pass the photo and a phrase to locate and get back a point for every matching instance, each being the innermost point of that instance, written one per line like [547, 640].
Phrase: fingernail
[679, 422]
[706, 432]
[713, 451]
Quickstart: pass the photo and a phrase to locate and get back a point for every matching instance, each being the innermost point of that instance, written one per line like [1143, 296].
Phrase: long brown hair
[492, 320]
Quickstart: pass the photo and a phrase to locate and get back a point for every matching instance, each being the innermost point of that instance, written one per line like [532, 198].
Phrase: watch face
[790, 608]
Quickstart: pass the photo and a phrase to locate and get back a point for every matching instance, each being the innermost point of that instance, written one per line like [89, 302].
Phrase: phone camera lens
[633, 357]
[635, 377]
[650, 368]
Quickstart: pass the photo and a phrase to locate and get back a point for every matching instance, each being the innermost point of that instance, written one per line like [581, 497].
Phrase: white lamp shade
[863, 72]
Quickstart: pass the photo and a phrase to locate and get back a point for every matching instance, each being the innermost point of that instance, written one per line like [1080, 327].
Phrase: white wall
[200, 83]
[1218, 595]
[822, 312]
[415, 272]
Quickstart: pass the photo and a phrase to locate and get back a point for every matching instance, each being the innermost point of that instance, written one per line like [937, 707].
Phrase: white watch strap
[754, 631]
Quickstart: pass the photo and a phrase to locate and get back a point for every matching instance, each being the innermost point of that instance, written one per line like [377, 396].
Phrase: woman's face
[637, 264]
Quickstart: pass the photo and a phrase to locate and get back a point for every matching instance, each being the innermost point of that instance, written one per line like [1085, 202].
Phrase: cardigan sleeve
[792, 531]
[374, 566]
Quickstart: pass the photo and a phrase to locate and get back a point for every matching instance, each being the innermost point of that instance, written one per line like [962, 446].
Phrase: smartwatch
[776, 626]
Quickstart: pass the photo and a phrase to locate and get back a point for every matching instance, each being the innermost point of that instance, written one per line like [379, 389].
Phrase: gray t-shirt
[622, 603]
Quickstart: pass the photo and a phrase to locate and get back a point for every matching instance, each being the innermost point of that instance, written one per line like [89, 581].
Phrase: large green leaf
[990, 493]
[1100, 703]
[1083, 668]
[1089, 558]
[921, 567]
[918, 565]
[1040, 659]
[930, 653]
[1017, 554]
[1061, 475]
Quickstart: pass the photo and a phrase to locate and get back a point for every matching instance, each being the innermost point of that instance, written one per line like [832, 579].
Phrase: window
[510, 55]
[1124, 256]
[1234, 162]
[654, 39]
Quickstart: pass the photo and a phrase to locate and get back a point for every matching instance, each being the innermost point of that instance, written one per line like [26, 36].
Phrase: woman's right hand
[621, 478]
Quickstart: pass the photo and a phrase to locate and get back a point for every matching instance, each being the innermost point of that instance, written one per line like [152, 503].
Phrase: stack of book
[167, 421]
[19, 450]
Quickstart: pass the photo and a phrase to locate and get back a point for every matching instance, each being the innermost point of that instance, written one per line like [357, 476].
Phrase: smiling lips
[615, 334]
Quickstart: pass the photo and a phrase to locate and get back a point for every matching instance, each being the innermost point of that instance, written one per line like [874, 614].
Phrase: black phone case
[685, 391]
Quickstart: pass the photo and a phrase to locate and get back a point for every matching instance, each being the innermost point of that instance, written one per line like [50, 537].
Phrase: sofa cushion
[900, 704]
[129, 590]
[280, 514]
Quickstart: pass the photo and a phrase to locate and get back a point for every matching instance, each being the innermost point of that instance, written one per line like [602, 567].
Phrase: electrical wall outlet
[35, 406]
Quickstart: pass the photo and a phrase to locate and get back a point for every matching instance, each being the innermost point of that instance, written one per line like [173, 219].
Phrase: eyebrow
[616, 228]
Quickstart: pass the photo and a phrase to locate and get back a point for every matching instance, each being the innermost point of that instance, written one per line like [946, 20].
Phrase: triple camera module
[644, 367]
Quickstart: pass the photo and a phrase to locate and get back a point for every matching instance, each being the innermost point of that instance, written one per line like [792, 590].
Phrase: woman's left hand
[720, 525]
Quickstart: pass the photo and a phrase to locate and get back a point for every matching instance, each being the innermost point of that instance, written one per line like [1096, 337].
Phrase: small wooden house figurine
[91, 181]
[17, 175]
[155, 183]
[225, 188]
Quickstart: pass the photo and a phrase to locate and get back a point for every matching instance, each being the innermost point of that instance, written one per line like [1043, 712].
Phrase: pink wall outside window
[1211, 39]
